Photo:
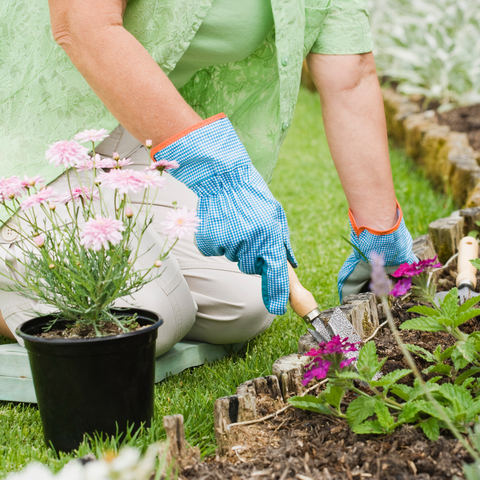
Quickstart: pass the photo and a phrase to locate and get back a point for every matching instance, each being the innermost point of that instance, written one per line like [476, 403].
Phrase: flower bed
[307, 444]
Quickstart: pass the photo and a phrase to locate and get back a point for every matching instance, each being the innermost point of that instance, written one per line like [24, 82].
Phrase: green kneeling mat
[16, 384]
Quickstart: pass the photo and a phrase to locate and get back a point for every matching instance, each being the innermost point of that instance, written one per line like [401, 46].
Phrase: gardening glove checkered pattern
[395, 245]
[239, 216]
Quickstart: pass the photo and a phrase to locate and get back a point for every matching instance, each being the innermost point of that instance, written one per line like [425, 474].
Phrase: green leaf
[424, 310]
[390, 378]
[311, 403]
[461, 378]
[386, 420]
[367, 363]
[403, 391]
[372, 426]
[449, 306]
[473, 234]
[408, 413]
[468, 304]
[365, 258]
[421, 352]
[431, 429]
[359, 410]
[465, 317]
[333, 396]
[475, 262]
[447, 353]
[473, 410]
[426, 324]
[350, 375]
[459, 361]
[467, 349]
[459, 396]
[442, 368]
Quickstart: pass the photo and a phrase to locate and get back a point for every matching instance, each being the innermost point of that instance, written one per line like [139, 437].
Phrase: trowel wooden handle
[467, 250]
[301, 300]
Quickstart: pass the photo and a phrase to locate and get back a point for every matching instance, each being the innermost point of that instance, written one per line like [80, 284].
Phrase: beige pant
[200, 298]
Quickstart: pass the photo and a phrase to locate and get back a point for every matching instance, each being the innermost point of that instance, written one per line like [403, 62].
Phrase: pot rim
[76, 341]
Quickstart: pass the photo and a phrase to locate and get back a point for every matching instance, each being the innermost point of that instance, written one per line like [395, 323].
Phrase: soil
[464, 119]
[308, 446]
[74, 331]
[304, 445]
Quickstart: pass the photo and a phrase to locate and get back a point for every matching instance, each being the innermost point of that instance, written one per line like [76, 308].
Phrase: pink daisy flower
[122, 180]
[11, 188]
[91, 135]
[66, 153]
[28, 182]
[123, 162]
[151, 179]
[94, 163]
[44, 195]
[79, 193]
[180, 222]
[164, 165]
[98, 232]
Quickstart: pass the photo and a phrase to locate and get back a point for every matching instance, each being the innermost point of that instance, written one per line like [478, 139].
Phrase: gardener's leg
[230, 305]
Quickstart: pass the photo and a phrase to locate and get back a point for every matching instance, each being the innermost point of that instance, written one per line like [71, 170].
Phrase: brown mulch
[464, 119]
[304, 445]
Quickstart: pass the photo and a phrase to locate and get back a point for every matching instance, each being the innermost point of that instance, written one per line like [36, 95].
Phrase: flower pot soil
[101, 385]
[306, 445]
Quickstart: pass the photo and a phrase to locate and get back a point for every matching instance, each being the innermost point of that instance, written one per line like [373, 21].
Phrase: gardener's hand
[239, 216]
[394, 244]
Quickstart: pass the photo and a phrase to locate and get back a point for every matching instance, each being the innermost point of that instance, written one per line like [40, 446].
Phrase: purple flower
[379, 284]
[328, 354]
[319, 371]
[401, 287]
[416, 268]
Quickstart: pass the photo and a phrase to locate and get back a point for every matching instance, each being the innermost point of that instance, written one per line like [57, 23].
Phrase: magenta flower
[319, 371]
[91, 135]
[328, 354]
[180, 222]
[164, 165]
[66, 153]
[45, 195]
[401, 287]
[11, 188]
[152, 179]
[379, 285]
[79, 193]
[410, 270]
[98, 232]
[122, 180]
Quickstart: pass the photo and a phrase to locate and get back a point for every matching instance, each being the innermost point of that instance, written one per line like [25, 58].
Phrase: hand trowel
[305, 306]
[467, 273]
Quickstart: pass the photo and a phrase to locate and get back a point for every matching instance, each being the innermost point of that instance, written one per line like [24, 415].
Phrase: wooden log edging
[446, 156]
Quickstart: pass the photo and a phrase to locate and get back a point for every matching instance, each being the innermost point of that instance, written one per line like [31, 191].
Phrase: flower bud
[158, 263]
[31, 182]
[128, 212]
[116, 156]
[51, 266]
[39, 241]
[52, 206]
[148, 143]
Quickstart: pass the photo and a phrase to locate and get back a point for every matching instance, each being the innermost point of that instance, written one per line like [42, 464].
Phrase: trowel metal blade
[340, 325]
[321, 333]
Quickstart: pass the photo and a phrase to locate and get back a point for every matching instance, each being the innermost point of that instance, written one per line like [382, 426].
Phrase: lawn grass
[307, 185]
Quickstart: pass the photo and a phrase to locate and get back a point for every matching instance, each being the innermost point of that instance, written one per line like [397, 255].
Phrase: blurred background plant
[429, 48]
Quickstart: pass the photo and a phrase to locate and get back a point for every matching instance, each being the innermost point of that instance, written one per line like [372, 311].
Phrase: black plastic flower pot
[96, 385]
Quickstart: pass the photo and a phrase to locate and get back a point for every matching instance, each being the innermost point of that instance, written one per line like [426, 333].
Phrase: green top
[44, 98]
[230, 32]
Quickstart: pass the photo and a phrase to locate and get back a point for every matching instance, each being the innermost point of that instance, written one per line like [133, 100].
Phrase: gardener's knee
[230, 308]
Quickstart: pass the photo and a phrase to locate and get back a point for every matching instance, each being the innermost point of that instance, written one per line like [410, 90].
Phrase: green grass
[308, 187]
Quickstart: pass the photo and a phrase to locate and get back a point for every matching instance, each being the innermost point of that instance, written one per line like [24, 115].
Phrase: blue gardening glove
[239, 216]
[395, 245]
